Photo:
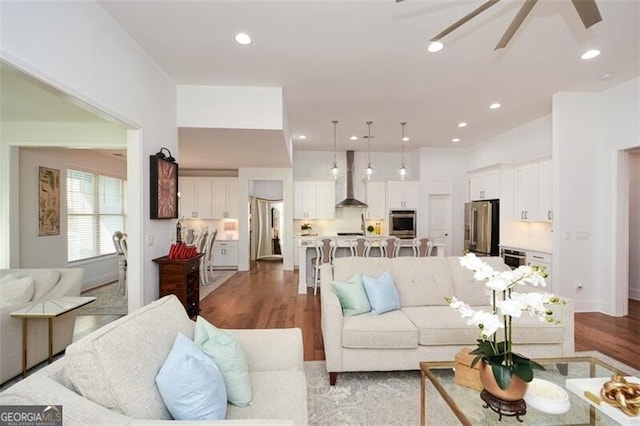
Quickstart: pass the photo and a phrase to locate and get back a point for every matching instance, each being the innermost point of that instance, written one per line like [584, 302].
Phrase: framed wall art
[164, 186]
[48, 201]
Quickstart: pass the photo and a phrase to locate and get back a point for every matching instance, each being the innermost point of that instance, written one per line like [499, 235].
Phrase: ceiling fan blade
[464, 19]
[588, 11]
[515, 24]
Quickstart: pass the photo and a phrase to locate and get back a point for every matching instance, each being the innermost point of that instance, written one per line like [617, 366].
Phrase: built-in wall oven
[402, 223]
[513, 258]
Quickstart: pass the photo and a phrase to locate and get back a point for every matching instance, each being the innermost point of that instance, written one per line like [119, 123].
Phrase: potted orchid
[506, 303]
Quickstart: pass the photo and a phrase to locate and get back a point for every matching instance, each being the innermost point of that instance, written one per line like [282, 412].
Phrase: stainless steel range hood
[350, 201]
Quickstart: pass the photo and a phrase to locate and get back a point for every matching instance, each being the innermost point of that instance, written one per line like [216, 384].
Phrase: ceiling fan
[587, 10]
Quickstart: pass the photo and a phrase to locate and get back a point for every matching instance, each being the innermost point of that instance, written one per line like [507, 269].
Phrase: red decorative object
[182, 251]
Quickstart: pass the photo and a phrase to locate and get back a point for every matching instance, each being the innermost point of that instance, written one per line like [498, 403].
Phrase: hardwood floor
[266, 297]
[617, 337]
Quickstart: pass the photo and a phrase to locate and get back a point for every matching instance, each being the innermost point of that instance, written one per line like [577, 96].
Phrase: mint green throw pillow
[226, 351]
[352, 296]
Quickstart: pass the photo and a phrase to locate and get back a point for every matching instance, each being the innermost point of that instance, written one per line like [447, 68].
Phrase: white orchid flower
[487, 323]
[470, 261]
[512, 306]
[464, 309]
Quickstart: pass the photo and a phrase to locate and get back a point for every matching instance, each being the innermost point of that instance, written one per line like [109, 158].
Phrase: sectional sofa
[43, 283]
[425, 328]
[108, 377]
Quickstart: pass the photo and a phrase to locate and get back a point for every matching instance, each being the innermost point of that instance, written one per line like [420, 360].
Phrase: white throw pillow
[14, 291]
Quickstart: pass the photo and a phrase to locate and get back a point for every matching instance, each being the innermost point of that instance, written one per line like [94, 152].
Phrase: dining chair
[120, 244]
[206, 262]
[422, 247]
[325, 252]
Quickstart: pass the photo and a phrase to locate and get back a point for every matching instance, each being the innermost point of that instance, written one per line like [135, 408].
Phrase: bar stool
[422, 247]
[360, 247]
[325, 252]
[390, 247]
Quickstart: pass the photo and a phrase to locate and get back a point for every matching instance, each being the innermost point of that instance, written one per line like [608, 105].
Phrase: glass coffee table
[466, 405]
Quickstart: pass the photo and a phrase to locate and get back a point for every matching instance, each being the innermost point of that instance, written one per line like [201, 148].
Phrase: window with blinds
[96, 208]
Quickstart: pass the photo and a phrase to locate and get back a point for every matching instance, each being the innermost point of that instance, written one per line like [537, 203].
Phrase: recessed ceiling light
[354, 138]
[455, 140]
[406, 139]
[495, 105]
[435, 46]
[243, 38]
[302, 137]
[462, 124]
[590, 54]
[606, 76]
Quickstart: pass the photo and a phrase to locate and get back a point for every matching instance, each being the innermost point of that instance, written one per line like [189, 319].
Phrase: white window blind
[96, 208]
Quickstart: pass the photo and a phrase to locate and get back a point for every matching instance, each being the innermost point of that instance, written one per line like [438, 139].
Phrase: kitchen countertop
[545, 250]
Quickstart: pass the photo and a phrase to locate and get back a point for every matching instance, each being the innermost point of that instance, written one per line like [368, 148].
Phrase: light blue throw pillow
[382, 293]
[226, 351]
[352, 296]
[190, 383]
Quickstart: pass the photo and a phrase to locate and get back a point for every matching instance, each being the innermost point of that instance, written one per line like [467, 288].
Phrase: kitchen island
[306, 252]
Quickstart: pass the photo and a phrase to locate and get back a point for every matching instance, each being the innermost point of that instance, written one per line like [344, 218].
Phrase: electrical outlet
[149, 240]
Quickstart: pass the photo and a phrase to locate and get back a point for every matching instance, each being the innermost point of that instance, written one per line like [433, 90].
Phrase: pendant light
[403, 171]
[369, 171]
[334, 168]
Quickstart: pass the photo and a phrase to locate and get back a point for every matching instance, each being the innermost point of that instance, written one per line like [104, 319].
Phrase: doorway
[266, 220]
[269, 217]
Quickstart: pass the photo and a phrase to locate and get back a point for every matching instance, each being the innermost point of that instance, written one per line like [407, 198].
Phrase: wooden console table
[182, 278]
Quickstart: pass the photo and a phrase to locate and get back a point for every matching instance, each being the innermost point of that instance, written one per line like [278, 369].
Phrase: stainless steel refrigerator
[482, 227]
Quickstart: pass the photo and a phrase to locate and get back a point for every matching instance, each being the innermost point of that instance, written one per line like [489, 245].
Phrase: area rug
[386, 398]
[108, 301]
[217, 278]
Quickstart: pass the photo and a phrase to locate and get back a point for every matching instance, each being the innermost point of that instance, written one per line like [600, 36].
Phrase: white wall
[591, 194]
[266, 189]
[51, 251]
[79, 49]
[634, 225]
[527, 142]
[445, 165]
[230, 107]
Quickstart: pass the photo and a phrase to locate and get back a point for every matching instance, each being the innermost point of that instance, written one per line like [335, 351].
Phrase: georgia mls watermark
[30, 415]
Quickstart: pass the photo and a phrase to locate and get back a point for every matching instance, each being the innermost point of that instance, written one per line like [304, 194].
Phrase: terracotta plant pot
[514, 392]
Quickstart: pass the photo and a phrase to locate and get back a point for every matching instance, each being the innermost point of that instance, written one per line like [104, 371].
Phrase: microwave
[402, 223]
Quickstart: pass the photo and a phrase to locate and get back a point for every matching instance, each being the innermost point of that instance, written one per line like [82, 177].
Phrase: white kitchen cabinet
[402, 194]
[484, 185]
[533, 192]
[195, 198]
[525, 196]
[314, 200]
[535, 258]
[545, 191]
[376, 200]
[225, 198]
[225, 254]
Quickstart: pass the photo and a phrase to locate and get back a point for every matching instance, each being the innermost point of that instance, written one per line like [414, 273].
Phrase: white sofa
[48, 283]
[108, 377]
[425, 328]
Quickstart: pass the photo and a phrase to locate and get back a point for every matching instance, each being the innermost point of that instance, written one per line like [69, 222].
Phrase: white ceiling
[355, 61]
